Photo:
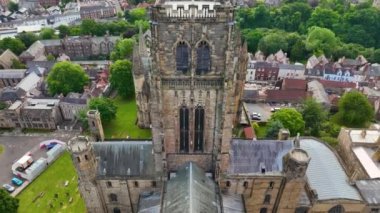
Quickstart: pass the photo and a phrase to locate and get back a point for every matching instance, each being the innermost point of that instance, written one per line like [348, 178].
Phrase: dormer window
[182, 57]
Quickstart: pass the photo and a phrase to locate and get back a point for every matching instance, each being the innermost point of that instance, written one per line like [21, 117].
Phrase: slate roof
[80, 101]
[369, 189]
[12, 73]
[292, 66]
[191, 191]
[124, 159]
[325, 174]
[250, 94]
[251, 156]
[150, 202]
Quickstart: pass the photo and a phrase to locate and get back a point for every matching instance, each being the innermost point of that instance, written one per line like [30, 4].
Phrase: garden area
[55, 190]
[124, 124]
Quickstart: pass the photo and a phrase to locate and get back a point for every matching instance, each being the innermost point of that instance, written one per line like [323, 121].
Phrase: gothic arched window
[116, 210]
[184, 129]
[203, 58]
[263, 210]
[199, 126]
[336, 209]
[182, 57]
[113, 197]
[302, 209]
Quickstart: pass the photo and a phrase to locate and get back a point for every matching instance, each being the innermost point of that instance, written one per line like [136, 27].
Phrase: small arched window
[116, 210]
[302, 209]
[113, 197]
[228, 183]
[267, 199]
[203, 58]
[182, 57]
[336, 209]
[263, 210]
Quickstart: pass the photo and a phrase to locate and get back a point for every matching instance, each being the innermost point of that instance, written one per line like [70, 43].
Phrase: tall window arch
[203, 58]
[116, 210]
[263, 210]
[182, 57]
[184, 129]
[336, 209]
[199, 126]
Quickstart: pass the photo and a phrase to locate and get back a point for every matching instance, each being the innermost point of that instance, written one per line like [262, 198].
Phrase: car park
[8, 187]
[17, 181]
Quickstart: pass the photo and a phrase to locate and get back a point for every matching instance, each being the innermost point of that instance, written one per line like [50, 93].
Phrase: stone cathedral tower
[193, 76]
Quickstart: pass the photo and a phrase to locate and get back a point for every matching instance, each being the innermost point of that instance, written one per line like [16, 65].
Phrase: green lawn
[49, 183]
[260, 130]
[125, 122]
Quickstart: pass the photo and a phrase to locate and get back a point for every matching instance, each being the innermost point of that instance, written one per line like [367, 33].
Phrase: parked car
[50, 146]
[275, 109]
[255, 117]
[17, 181]
[256, 114]
[8, 187]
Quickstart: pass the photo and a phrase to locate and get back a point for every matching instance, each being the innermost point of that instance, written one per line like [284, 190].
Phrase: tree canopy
[272, 43]
[106, 108]
[343, 29]
[66, 77]
[14, 44]
[314, 115]
[273, 128]
[290, 119]
[27, 38]
[123, 49]
[354, 110]
[47, 33]
[7, 203]
[121, 78]
[321, 41]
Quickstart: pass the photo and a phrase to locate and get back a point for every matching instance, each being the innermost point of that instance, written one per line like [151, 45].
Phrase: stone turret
[295, 164]
[85, 164]
[95, 124]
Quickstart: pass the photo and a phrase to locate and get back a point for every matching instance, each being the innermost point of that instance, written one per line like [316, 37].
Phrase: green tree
[66, 77]
[321, 41]
[354, 110]
[376, 56]
[91, 27]
[291, 119]
[273, 43]
[16, 64]
[273, 128]
[82, 118]
[106, 108]
[75, 31]
[63, 31]
[121, 78]
[7, 203]
[123, 49]
[291, 17]
[13, 44]
[27, 38]
[47, 33]
[12, 6]
[50, 57]
[323, 17]
[314, 115]
[254, 17]
[136, 14]
[253, 38]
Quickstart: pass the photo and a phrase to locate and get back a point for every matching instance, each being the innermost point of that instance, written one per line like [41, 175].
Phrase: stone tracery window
[203, 58]
[184, 129]
[182, 57]
[199, 126]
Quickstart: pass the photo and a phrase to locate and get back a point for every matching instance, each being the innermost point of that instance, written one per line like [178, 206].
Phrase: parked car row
[15, 182]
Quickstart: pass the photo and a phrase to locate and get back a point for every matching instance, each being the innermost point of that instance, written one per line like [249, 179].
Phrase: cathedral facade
[189, 70]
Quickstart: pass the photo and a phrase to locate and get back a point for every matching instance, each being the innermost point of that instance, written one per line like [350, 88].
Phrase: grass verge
[124, 124]
[48, 193]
